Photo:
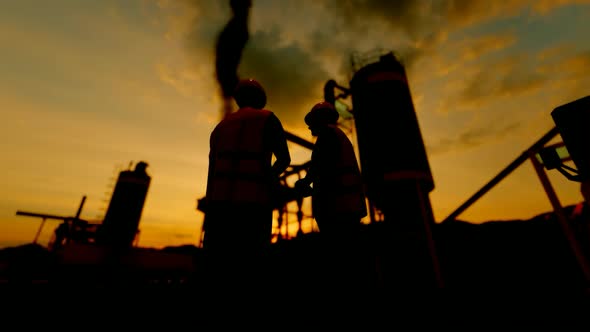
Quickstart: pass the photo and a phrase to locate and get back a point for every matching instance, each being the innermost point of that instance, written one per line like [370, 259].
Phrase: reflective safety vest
[240, 160]
[340, 190]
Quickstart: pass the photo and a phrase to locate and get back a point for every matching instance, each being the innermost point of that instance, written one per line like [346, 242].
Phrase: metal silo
[395, 168]
[390, 143]
[121, 222]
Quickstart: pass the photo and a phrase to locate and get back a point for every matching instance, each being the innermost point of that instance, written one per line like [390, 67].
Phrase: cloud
[578, 63]
[423, 16]
[419, 19]
[183, 80]
[473, 137]
[515, 76]
[545, 6]
[489, 81]
[417, 30]
[408, 16]
[569, 75]
[555, 51]
[489, 84]
[455, 56]
[477, 47]
[461, 13]
[292, 75]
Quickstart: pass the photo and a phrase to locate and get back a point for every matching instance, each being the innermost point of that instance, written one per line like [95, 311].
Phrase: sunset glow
[89, 86]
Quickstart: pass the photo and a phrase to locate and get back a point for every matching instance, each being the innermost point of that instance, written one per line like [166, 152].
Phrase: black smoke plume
[230, 45]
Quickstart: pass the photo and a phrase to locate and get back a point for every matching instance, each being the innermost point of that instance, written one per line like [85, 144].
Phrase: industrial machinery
[572, 121]
[394, 167]
[72, 228]
[120, 225]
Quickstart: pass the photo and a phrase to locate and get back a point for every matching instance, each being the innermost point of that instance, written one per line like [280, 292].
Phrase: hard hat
[322, 113]
[250, 93]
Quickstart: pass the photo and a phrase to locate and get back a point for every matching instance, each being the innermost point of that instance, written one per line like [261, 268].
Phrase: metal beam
[298, 140]
[509, 169]
[294, 169]
[562, 218]
[42, 215]
[80, 207]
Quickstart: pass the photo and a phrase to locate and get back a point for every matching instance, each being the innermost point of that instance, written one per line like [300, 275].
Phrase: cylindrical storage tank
[573, 122]
[390, 143]
[397, 174]
[121, 221]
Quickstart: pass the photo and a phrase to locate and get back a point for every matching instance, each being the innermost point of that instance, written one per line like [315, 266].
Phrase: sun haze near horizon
[88, 87]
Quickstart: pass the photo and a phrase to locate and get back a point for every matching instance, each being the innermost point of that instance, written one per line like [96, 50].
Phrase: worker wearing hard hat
[241, 176]
[338, 198]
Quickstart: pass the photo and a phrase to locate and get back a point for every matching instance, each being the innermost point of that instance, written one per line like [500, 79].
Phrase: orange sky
[88, 87]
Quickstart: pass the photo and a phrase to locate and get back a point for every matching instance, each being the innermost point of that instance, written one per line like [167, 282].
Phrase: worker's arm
[309, 173]
[324, 156]
[279, 146]
[303, 185]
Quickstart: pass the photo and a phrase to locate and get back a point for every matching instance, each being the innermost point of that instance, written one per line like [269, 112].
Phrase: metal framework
[532, 154]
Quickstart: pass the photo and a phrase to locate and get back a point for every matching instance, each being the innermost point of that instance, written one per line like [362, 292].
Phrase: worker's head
[321, 115]
[249, 93]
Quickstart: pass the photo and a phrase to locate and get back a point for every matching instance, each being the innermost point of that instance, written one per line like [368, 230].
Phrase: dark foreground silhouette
[523, 254]
[499, 276]
[514, 254]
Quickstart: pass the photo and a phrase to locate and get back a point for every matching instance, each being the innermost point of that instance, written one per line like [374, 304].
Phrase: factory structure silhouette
[401, 245]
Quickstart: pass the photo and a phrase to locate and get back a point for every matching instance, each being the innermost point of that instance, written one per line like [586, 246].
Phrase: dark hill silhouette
[508, 254]
[518, 254]
[25, 264]
[504, 275]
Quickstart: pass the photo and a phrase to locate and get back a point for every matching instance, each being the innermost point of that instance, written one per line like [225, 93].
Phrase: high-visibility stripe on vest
[346, 192]
[241, 159]
[387, 76]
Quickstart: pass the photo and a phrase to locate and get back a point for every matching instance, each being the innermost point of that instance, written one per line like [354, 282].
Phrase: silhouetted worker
[338, 198]
[238, 212]
[230, 44]
[61, 234]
